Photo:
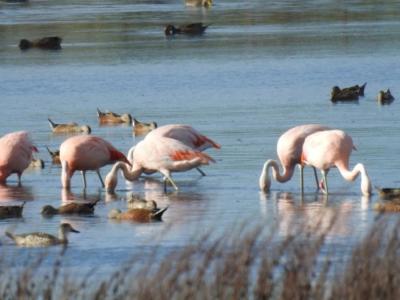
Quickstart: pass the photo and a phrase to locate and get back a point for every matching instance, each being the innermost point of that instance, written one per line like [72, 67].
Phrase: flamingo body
[289, 149]
[15, 154]
[187, 135]
[85, 153]
[332, 148]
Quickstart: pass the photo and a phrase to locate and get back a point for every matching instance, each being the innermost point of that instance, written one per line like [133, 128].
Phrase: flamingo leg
[101, 179]
[168, 178]
[325, 181]
[84, 178]
[301, 168]
[316, 177]
[201, 171]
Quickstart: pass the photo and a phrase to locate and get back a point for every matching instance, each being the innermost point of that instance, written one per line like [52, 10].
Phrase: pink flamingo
[289, 148]
[170, 148]
[332, 148]
[15, 154]
[85, 152]
[185, 134]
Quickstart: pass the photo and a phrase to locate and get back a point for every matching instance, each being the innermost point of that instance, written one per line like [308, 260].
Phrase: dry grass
[249, 262]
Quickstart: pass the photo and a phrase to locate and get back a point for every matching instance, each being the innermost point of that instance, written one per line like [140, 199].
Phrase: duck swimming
[11, 211]
[41, 239]
[69, 209]
[344, 95]
[385, 97]
[113, 118]
[141, 128]
[69, 128]
[197, 3]
[389, 193]
[189, 29]
[48, 43]
[141, 215]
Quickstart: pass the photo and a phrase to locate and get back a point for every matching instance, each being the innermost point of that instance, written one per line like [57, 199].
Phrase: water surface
[261, 68]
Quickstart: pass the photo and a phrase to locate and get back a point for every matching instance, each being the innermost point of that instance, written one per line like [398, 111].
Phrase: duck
[355, 88]
[48, 43]
[69, 209]
[389, 193]
[69, 128]
[41, 239]
[141, 128]
[141, 215]
[36, 163]
[189, 29]
[113, 118]
[344, 95]
[387, 206]
[137, 203]
[204, 3]
[385, 97]
[11, 211]
[55, 156]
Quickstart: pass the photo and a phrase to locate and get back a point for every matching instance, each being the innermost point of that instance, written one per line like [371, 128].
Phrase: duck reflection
[313, 213]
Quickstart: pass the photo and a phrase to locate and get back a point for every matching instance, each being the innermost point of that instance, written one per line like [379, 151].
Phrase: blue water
[261, 68]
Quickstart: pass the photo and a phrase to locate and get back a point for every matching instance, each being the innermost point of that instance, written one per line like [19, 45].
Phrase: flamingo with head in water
[86, 152]
[332, 148]
[289, 148]
[170, 148]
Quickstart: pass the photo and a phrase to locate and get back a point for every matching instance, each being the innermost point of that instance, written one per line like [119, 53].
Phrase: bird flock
[168, 149]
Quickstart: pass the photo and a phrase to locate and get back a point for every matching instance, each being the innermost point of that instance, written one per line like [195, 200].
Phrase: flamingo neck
[112, 177]
[265, 181]
[366, 186]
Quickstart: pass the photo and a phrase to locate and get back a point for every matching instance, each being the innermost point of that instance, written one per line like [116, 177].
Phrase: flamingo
[85, 152]
[289, 148]
[170, 148]
[332, 148]
[15, 154]
[185, 134]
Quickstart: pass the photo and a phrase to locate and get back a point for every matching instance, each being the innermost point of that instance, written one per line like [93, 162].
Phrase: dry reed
[248, 262]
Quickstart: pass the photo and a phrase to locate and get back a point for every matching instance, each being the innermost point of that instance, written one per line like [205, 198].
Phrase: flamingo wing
[187, 135]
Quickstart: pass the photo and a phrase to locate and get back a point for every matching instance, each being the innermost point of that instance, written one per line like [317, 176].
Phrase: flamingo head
[265, 181]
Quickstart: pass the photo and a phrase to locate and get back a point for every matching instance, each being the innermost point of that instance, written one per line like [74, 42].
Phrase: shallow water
[262, 67]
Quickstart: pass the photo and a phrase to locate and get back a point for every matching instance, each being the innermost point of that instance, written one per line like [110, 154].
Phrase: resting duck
[204, 3]
[11, 211]
[40, 239]
[69, 209]
[343, 95]
[385, 97]
[49, 43]
[190, 29]
[141, 128]
[69, 128]
[142, 215]
[113, 118]
[55, 156]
